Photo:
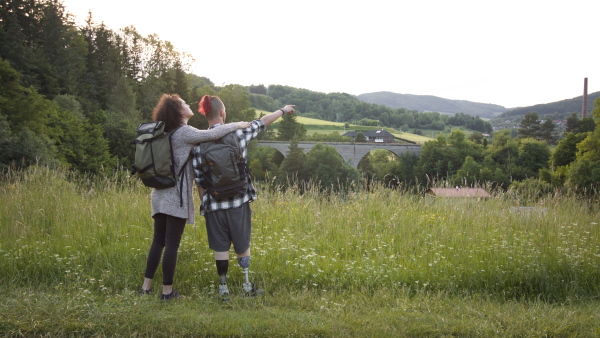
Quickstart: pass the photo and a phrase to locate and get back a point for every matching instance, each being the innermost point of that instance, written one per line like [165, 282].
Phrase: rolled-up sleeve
[251, 132]
[248, 134]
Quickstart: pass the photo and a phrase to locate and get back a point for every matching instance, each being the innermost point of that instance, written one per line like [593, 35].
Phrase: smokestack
[584, 106]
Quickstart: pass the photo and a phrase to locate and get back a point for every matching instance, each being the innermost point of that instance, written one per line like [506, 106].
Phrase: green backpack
[226, 173]
[154, 163]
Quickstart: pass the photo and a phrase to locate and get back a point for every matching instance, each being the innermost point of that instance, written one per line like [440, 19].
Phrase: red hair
[210, 106]
[204, 107]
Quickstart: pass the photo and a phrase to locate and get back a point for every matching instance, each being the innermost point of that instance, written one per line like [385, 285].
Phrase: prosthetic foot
[249, 289]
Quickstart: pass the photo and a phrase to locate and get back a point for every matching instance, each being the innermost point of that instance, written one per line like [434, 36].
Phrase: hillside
[559, 110]
[433, 103]
[400, 136]
[321, 126]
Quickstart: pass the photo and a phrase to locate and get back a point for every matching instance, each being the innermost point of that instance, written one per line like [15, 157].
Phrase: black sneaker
[144, 292]
[172, 295]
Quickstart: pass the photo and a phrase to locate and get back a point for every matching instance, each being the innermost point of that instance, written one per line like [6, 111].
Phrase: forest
[72, 96]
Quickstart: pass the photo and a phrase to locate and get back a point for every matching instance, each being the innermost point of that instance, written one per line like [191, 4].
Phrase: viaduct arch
[352, 153]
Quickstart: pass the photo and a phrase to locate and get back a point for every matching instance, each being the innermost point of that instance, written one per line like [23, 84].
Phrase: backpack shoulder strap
[181, 170]
[181, 178]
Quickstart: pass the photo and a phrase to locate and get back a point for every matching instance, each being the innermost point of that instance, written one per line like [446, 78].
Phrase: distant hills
[424, 103]
[556, 110]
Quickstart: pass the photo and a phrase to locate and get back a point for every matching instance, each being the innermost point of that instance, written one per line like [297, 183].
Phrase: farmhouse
[377, 136]
[458, 192]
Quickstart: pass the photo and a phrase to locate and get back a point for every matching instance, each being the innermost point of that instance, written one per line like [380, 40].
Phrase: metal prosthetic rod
[246, 275]
[247, 285]
[244, 262]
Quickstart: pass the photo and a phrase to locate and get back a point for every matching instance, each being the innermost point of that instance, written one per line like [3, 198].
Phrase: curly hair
[169, 110]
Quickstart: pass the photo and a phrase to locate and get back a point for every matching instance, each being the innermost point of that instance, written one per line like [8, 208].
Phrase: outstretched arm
[270, 118]
[195, 136]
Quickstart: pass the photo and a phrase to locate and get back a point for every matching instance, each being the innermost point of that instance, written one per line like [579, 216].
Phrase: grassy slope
[321, 127]
[379, 264]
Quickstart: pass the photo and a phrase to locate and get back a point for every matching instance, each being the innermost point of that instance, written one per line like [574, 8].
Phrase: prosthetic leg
[244, 262]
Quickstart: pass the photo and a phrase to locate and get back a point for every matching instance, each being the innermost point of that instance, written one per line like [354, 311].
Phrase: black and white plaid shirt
[210, 204]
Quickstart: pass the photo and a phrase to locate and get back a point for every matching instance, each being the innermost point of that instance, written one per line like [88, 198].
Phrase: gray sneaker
[224, 292]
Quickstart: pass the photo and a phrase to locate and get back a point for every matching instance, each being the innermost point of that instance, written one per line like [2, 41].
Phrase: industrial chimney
[584, 106]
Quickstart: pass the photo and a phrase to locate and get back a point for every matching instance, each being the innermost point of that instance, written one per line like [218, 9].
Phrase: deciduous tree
[533, 156]
[566, 149]
[324, 164]
[360, 137]
[237, 103]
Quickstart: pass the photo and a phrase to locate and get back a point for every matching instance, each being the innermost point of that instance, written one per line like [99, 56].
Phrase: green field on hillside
[327, 127]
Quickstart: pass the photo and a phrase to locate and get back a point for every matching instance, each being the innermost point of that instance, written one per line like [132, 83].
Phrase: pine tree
[288, 129]
[529, 126]
[546, 132]
[181, 86]
[293, 164]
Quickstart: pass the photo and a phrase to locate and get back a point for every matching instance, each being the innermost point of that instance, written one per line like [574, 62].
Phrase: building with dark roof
[376, 136]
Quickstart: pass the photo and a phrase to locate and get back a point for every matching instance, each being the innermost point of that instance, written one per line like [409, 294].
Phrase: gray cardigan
[166, 201]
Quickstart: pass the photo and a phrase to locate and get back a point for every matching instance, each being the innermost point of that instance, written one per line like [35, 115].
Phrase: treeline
[342, 107]
[74, 96]
[525, 163]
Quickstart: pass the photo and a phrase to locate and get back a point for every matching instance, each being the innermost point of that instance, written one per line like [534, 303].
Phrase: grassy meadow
[379, 263]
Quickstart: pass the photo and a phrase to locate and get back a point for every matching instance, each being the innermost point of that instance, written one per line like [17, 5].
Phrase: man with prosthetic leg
[225, 196]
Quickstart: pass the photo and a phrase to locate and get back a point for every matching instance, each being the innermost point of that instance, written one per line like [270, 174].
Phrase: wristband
[282, 111]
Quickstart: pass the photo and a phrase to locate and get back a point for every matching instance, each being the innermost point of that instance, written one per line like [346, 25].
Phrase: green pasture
[327, 127]
[366, 262]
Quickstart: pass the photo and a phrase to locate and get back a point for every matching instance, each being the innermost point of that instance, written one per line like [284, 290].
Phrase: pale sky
[511, 53]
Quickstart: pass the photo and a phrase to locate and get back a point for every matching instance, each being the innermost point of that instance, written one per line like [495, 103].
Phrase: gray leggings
[167, 235]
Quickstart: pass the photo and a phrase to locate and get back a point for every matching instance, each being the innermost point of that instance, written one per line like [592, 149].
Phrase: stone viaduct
[352, 153]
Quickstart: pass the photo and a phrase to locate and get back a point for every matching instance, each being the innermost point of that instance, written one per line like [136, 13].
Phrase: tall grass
[369, 262]
[61, 227]
[58, 227]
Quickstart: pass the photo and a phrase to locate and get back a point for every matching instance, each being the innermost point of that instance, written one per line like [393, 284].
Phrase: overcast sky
[511, 53]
